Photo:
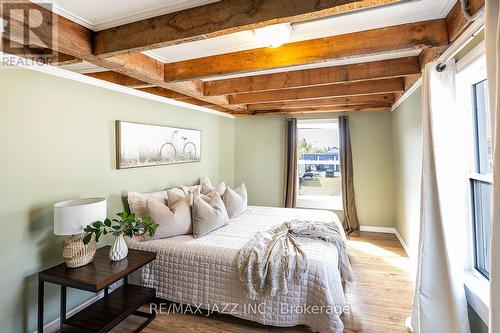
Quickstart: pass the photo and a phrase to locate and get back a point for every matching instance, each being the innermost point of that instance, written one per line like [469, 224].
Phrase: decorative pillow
[206, 181]
[210, 190]
[172, 221]
[235, 200]
[137, 201]
[189, 188]
[175, 194]
[208, 216]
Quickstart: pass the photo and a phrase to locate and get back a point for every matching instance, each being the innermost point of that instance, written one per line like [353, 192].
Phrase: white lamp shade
[71, 216]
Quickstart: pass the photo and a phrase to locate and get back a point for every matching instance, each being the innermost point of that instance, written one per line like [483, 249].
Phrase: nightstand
[112, 308]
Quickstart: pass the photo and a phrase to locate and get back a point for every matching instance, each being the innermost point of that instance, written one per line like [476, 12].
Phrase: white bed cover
[203, 271]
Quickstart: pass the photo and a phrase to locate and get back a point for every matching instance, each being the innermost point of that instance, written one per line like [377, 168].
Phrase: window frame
[316, 202]
[471, 69]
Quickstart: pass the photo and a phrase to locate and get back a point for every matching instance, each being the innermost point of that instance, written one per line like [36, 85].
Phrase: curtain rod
[477, 27]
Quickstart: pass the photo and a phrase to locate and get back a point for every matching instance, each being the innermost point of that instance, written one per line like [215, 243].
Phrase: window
[472, 105]
[318, 165]
[481, 179]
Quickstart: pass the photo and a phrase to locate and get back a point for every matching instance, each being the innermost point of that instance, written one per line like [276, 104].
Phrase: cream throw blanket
[271, 258]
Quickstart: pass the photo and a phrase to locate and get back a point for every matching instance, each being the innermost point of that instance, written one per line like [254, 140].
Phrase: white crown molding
[56, 71]
[407, 94]
[139, 15]
[446, 9]
[64, 13]
[155, 56]
[148, 13]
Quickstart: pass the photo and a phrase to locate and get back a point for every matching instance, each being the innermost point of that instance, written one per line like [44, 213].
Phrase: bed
[203, 271]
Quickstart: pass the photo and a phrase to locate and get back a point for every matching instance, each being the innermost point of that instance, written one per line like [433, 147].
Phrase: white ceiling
[103, 14]
[406, 12]
[98, 14]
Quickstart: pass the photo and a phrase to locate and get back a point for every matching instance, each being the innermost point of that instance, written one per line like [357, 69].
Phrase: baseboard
[387, 230]
[403, 243]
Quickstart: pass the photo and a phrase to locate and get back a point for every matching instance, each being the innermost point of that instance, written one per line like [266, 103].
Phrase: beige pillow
[137, 201]
[172, 221]
[210, 190]
[189, 188]
[207, 181]
[177, 194]
[174, 195]
[208, 216]
[236, 201]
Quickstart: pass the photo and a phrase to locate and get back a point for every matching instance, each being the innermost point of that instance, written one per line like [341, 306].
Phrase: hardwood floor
[380, 297]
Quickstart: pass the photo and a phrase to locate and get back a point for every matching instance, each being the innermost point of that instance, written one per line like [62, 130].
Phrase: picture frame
[143, 145]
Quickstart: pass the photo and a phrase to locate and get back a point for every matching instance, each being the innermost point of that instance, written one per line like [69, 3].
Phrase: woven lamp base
[76, 253]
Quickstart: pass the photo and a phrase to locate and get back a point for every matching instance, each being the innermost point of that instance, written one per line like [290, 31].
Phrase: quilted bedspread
[202, 271]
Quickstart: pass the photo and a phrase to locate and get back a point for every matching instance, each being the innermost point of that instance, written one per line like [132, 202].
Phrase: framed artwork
[142, 145]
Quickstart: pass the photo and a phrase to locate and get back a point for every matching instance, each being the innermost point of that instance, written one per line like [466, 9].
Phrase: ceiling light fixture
[274, 35]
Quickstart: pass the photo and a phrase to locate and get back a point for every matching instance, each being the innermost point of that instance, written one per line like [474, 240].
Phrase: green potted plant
[127, 224]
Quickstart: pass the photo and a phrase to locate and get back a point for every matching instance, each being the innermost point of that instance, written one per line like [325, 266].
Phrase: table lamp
[70, 217]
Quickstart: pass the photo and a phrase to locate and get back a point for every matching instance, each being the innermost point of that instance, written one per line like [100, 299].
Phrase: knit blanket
[271, 258]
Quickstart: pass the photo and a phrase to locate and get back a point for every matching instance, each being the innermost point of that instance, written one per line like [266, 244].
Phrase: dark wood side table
[114, 307]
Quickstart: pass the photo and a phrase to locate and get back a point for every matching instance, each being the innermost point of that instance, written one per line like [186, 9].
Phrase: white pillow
[137, 201]
[236, 201]
[208, 216]
[172, 221]
[210, 190]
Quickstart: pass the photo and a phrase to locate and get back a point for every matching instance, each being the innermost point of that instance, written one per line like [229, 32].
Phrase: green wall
[259, 154]
[407, 162]
[57, 142]
[259, 158]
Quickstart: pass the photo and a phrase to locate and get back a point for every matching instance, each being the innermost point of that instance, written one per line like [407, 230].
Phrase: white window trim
[317, 201]
[472, 69]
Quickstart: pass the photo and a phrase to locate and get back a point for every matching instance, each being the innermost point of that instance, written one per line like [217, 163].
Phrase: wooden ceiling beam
[325, 109]
[331, 101]
[163, 93]
[77, 41]
[52, 57]
[316, 76]
[456, 22]
[217, 19]
[120, 79]
[401, 37]
[63, 59]
[181, 98]
[333, 90]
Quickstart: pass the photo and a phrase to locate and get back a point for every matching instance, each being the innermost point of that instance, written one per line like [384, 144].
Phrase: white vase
[119, 250]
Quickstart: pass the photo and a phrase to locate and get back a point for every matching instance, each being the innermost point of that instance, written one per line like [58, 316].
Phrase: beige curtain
[290, 184]
[439, 303]
[351, 224]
